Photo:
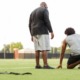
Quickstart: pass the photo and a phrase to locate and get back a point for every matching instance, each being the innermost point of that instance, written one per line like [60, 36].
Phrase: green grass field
[28, 65]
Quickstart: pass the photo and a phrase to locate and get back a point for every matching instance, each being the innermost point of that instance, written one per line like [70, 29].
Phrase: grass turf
[28, 65]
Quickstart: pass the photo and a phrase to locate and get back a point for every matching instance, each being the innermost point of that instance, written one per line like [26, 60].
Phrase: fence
[29, 55]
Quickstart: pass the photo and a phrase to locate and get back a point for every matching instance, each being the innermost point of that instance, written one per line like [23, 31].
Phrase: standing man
[40, 27]
[73, 41]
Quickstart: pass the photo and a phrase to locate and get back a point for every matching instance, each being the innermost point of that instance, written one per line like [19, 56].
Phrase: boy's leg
[73, 61]
[79, 66]
[71, 66]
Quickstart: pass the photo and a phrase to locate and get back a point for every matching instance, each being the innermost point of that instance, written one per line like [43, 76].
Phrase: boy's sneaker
[79, 67]
[38, 67]
[47, 67]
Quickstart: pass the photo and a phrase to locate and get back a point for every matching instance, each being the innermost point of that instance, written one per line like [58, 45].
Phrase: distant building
[26, 51]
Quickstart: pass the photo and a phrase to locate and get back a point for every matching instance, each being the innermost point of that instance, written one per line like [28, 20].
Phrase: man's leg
[44, 56]
[71, 66]
[37, 56]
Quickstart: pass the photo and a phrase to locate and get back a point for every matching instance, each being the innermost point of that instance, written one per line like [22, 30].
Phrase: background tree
[9, 48]
[56, 50]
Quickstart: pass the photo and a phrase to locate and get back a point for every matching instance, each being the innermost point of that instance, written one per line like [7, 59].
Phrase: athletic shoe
[38, 67]
[79, 67]
[47, 67]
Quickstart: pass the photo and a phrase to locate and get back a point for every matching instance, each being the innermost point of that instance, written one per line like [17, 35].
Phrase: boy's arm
[64, 44]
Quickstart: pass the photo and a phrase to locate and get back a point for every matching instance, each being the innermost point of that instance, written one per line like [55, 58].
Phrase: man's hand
[52, 35]
[60, 66]
[31, 38]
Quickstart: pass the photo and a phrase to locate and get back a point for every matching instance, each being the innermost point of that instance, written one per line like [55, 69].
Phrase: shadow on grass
[15, 73]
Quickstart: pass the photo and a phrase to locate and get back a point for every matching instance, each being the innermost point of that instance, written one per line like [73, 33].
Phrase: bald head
[43, 4]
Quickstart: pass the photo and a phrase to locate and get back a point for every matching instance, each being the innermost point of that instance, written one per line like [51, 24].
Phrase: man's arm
[64, 44]
[47, 21]
[30, 27]
[30, 24]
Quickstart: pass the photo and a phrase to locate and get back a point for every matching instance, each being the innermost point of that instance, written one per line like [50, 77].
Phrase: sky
[14, 20]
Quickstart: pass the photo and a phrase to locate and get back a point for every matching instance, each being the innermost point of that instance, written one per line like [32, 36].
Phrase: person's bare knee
[69, 67]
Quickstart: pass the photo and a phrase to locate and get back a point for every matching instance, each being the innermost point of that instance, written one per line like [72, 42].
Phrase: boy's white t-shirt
[74, 43]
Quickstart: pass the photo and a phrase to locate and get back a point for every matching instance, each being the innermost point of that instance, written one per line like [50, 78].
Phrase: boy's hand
[60, 66]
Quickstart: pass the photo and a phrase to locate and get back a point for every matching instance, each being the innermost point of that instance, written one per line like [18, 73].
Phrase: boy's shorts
[73, 59]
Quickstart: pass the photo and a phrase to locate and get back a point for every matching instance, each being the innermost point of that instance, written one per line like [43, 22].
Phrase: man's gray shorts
[41, 42]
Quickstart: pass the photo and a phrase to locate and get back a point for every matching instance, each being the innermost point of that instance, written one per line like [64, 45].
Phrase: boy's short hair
[69, 31]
